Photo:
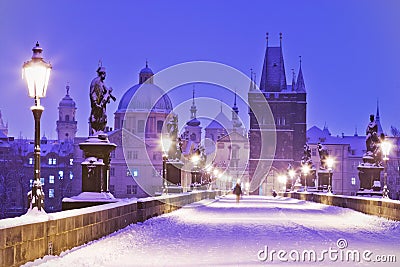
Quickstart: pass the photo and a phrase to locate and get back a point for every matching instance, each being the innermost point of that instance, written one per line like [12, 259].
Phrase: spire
[300, 86]
[235, 108]
[252, 82]
[273, 77]
[193, 108]
[378, 118]
[235, 112]
[293, 80]
[356, 133]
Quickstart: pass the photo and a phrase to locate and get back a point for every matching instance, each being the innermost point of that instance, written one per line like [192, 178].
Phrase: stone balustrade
[385, 208]
[30, 237]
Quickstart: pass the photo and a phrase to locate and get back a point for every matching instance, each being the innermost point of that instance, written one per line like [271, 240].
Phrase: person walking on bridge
[237, 191]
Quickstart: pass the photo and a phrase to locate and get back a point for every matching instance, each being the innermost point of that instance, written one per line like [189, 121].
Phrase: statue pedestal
[370, 178]
[174, 172]
[95, 174]
[323, 179]
[310, 178]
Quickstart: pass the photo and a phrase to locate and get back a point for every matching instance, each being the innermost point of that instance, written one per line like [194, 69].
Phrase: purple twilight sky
[350, 52]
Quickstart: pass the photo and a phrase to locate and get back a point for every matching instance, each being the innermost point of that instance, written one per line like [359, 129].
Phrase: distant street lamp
[283, 179]
[165, 144]
[292, 174]
[329, 163]
[36, 72]
[306, 170]
[386, 146]
[195, 159]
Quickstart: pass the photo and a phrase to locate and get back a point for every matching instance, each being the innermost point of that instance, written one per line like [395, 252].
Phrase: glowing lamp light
[386, 146]
[292, 173]
[36, 72]
[330, 162]
[195, 159]
[305, 169]
[282, 179]
[165, 144]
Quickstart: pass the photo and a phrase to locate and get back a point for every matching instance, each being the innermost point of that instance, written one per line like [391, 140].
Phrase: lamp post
[283, 179]
[329, 163]
[165, 144]
[36, 72]
[386, 146]
[195, 160]
[305, 169]
[292, 173]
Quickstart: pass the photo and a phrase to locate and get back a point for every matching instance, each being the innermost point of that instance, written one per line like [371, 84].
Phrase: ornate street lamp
[36, 72]
[292, 174]
[283, 179]
[306, 170]
[329, 163]
[165, 144]
[386, 146]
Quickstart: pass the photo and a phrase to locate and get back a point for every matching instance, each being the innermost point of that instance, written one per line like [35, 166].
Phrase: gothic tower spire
[193, 108]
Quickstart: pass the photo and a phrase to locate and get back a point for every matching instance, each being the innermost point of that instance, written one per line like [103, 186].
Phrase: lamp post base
[385, 192]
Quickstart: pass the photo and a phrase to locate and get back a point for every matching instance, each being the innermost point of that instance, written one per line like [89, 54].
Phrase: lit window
[71, 175]
[60, 175]
[42, 181]
[30, 183]
[51, 179]
[353, 181]
[128, 172]
[52, 161]
[51, 193]
[135, 172]
[71, 162]
[30, 161]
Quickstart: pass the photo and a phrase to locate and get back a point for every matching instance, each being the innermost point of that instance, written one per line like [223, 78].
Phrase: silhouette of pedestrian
[238, 192]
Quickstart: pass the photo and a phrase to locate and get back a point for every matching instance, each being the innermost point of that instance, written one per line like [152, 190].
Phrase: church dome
[145, 97]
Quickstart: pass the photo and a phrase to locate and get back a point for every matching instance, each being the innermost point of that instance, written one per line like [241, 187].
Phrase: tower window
[140, 126]
[66, 117]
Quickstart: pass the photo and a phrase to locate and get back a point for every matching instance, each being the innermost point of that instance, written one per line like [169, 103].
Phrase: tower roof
[300, 86]
[378, 119]
[220, 122]
[67, 101]
[273, 77]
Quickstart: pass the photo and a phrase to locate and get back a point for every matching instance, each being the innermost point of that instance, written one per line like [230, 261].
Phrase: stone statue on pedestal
[323, 155]
[100, 95]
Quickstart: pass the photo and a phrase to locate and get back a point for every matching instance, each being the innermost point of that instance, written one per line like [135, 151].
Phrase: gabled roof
[220, 122]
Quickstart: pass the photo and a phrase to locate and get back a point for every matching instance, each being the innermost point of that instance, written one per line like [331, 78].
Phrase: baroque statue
[100, 95]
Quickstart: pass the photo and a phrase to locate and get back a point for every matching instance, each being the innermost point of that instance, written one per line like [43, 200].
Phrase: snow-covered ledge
[35, 235]
[386, 208]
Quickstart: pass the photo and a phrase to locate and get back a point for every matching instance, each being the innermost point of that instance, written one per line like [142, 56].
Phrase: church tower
[193, 129]
[66, 124]
[288, 106]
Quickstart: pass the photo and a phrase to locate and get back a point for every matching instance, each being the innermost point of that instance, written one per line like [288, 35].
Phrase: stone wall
[27, 238]
[386, 208]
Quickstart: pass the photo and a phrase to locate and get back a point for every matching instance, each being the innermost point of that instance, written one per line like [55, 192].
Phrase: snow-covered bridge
[256, 232]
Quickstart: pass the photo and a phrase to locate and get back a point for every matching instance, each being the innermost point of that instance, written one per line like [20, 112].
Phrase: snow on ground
[224, 233]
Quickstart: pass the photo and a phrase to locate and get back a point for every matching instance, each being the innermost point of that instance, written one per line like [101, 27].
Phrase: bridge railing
[385, 208]
[28, 237]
